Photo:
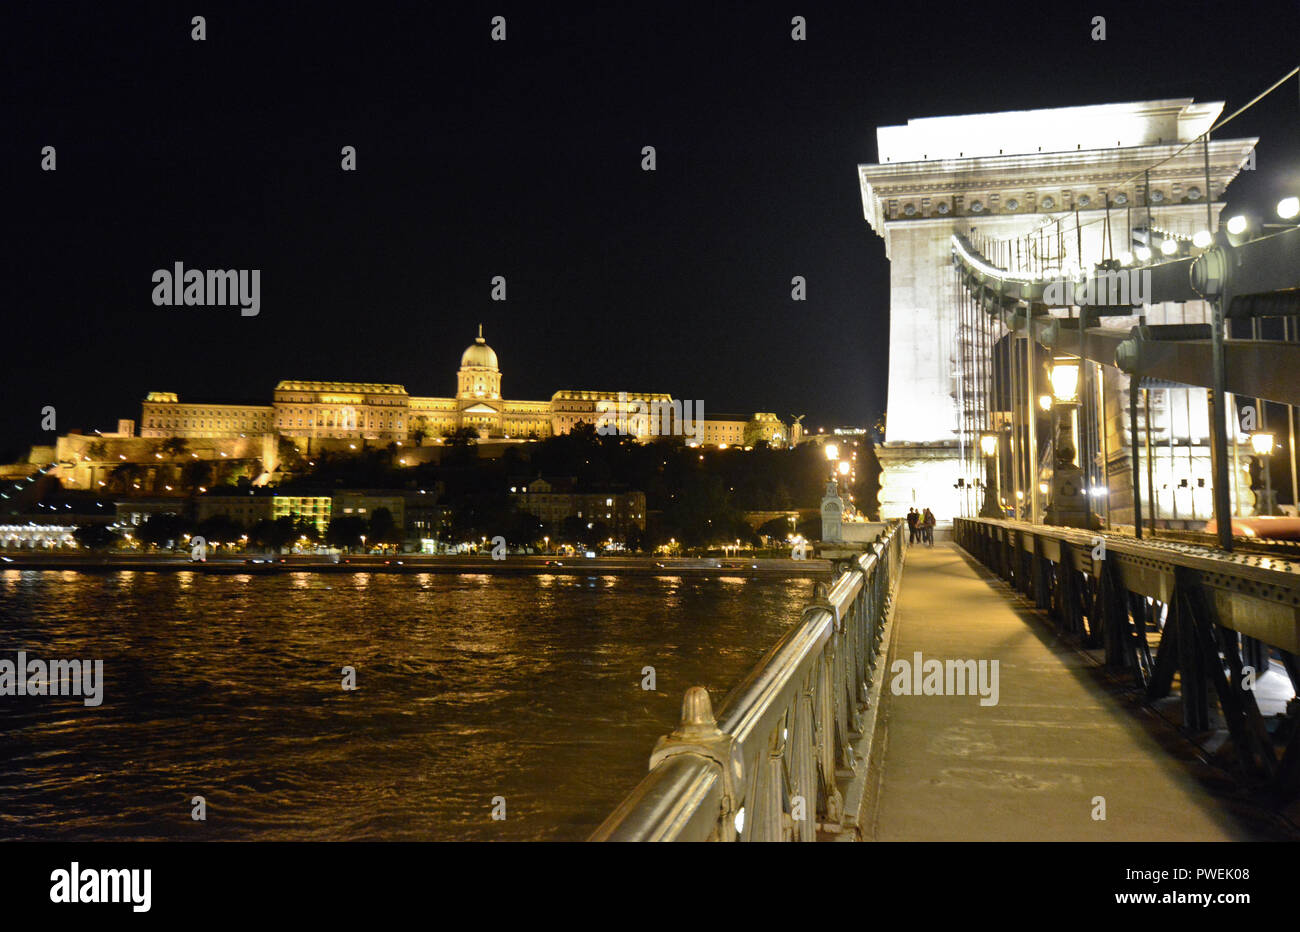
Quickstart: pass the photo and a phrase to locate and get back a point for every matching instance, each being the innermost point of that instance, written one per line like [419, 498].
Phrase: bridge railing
[779, 761]
[1180, 619]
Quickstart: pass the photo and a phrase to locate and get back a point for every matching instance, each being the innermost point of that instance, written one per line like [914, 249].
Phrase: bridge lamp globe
[1261, 441]
[1143, 253]
[989, 444]
[1126, 258]
[1169, 246]
[1202, 239]
[832, 452]
[1045, 402]
[1237, 225]
[1288, 207]
[1065, 380]
[843, 468]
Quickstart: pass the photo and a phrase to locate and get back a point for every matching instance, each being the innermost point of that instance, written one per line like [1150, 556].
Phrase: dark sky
[478, 158]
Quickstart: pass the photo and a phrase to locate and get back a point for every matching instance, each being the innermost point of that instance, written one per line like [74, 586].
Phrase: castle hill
[345, 475]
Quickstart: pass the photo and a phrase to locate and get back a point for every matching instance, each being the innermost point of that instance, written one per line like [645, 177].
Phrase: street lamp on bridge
[1069, 506]
[1261, 443]
[989, 447]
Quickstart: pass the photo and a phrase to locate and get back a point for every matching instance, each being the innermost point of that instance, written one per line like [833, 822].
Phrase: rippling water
[470, 687]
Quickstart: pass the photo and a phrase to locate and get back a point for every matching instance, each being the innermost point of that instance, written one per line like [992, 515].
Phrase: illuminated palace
[387, 412]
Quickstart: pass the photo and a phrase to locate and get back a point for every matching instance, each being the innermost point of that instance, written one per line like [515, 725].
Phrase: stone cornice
[1021, 185]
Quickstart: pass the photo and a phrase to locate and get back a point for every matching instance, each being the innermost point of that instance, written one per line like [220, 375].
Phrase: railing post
[803, 767]
[699, 735]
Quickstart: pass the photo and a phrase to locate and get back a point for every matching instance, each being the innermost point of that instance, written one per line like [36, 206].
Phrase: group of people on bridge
[920, 526]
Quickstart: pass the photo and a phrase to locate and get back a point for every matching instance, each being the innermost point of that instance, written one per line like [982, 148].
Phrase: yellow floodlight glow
[1261, 441]
[989, 444]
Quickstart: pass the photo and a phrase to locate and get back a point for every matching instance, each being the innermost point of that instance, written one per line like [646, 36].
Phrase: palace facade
[388, 412]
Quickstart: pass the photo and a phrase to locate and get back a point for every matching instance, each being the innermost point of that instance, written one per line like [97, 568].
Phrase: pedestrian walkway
[1061, 741]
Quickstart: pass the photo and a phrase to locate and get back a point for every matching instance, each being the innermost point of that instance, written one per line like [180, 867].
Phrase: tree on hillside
[523, 529]
[196, 474]
[174, 447]
[163, 530]
[777, 528]
[345, 532]
[460, 437]
[274, 534]
[220, 529]
[383, 529]
[95, 537]
[572, 530]
[124, 478]
[291, 459]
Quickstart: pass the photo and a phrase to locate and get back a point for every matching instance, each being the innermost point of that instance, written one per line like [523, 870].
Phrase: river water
[468, 688]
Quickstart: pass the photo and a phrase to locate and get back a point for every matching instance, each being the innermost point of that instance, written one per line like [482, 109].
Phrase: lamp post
[989, 447]
[1261, 443]
[1069, 506]
[832, 453]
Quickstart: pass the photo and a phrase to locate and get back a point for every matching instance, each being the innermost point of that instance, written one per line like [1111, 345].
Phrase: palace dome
[479, 355]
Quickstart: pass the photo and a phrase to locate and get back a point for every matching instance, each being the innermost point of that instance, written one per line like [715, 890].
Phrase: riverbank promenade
[1066, 754]
[510, 564]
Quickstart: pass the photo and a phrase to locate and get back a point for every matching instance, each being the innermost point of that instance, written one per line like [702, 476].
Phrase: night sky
[522, 158]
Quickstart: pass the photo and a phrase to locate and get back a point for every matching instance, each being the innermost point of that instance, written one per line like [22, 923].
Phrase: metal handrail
[776, 762]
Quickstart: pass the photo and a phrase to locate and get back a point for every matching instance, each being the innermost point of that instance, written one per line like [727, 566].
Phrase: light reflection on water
[470, 687]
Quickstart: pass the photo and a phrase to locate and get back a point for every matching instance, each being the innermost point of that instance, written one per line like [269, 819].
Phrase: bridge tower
[1017, 178]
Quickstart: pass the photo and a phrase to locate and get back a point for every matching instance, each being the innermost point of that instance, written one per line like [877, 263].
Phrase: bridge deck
[1029, 767]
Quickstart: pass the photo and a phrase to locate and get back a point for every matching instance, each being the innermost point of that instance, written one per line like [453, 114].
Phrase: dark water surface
[470, 687]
